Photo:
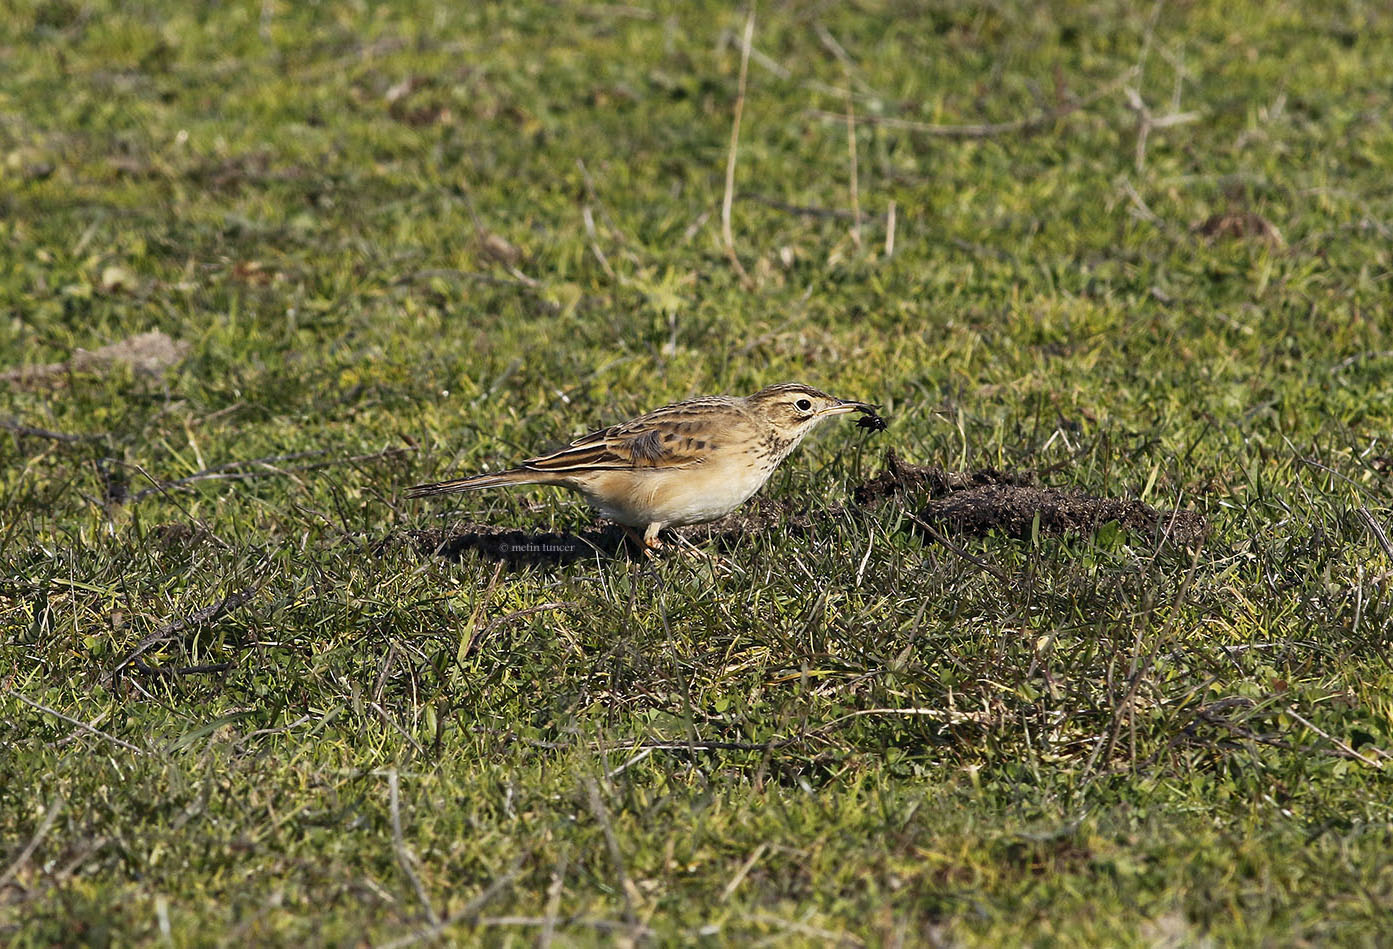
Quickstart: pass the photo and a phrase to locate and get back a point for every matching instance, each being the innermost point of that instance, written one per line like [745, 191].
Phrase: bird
[686, 463]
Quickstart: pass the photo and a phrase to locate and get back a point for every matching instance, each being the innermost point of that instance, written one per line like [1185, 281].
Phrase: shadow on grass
[520, 547]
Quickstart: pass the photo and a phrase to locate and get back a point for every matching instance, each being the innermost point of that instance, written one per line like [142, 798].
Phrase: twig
[518, 614]
[1032, 123]
[1338, 743]
[21, 429]
[803, 929]
[207, 669]
[404, 856]
[50, 815]
[760, 58]
[483, 236]
[936, 535]
[1139, 203]
[1348, 361]
[1146, 121]
[1149, 34]
[890, 230]
[865, 558]
[743, 872]
[81, 857]
[829, 42]
[1104, 749]
[671, 745]
[695, 227]
[620, 10]
[242, 742]
[467, 914]
[78, 722]
[764, 59]
[383, 669]
[838, 51]
[229, 466]
[1377, 529]
[848, 66]
[401, 731]
[1145, 213]
[1242, 731]
[1333, 473]
[729, 197]
[645, 753]
[589, 219]
[198, 617]
[604, 925]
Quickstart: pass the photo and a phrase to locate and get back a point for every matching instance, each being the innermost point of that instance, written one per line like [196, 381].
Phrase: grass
[369, 226]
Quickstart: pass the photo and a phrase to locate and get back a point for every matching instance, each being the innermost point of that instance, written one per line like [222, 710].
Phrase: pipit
[685, 463]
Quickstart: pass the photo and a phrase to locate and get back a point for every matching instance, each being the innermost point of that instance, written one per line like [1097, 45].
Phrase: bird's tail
[475, 482]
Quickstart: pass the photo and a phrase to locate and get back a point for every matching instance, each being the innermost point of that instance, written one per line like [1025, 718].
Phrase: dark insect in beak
[870, 420]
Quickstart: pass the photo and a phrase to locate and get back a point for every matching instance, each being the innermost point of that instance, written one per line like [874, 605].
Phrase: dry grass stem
[743, 872]
[728, 199]
[405, 858]
[616, 856]
[90, 729]
[55, 806]
[853, 174]
[1339, 743]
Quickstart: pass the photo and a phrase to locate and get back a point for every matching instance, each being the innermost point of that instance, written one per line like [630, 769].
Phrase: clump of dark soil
[1238, 225]
[1012, 502]
[899, 479]
[1013, 509]
[177, 535]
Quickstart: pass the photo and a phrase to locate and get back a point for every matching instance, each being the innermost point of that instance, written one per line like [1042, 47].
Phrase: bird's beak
[846, 408]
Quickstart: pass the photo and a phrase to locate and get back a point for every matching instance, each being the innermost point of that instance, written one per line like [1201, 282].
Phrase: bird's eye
[803, 405]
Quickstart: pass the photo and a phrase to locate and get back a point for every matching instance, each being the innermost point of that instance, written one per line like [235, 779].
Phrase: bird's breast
[677, 496]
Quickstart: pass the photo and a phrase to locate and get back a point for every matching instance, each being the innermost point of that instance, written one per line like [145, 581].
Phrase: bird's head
[793, 409]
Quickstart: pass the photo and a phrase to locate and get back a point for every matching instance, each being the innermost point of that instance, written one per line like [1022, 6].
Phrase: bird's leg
[650, 536]
[647, 542]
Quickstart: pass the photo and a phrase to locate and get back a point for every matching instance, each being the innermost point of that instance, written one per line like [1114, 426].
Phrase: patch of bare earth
[147, 353]
[1013, 503]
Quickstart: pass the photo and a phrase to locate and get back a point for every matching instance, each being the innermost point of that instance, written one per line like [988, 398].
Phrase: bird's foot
[647, 543]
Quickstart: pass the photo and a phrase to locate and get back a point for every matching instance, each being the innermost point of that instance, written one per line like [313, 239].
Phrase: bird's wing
[681, 435]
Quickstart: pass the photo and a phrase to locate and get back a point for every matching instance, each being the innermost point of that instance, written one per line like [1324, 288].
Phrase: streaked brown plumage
[684, 463]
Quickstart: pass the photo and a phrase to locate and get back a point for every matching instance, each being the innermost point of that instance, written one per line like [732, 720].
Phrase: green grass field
[1142, 251]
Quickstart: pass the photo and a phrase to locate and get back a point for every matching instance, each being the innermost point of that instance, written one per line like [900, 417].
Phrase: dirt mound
[899, 478]
[1013, 509]
[1011, 502]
